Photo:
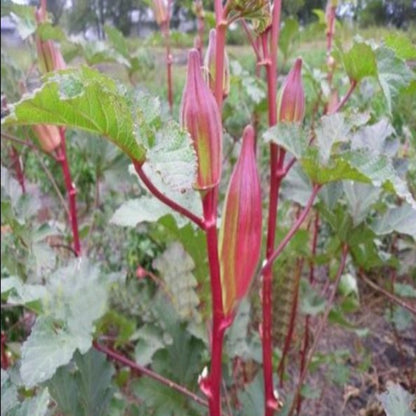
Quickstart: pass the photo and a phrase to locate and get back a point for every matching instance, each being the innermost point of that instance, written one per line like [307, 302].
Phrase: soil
[385, 354]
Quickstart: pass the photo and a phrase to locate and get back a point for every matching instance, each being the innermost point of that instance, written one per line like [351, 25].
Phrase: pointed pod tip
[248, 134]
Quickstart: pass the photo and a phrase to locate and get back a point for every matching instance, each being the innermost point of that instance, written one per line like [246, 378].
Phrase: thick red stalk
[318, 332]
[114, 355]
[209, 203]
[163, 198]
[275, 181]
[71, 191]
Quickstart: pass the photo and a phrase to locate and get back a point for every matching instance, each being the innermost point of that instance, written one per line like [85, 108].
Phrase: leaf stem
[138, 166]
[270, 56]
[209, 203]
[345, 98]
[114, 355]
[251, 40]
[295, 227]
[71, 191]
[320, 328]
[390, 296]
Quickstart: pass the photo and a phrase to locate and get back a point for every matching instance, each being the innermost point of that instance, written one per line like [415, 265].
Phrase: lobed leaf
[84, 99]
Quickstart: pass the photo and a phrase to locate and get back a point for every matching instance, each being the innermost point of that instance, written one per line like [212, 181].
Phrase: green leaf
[252, 398]
[84, 99]
[401, 45]
[173, 157]
[374, 138]
[397, 401]
[400, 219]
[360, 198]
[93, 380]
[175, 267]
[287, 34]
[117, 40]
[150, 340]
[291, 136]
[46, 349]
[23, 16]
[85, 390]
[238, 343]
[404, 290]
[76, 297]
[393, 74]
[20, 293]
[9, 398]
[297, 186]
[46, 31]
[139, 210]
[360, 62]
[163, 400]
[35, 406]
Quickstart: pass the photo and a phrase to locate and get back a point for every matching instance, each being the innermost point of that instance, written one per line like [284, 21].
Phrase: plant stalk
[270, 56]
[320, 329]
[71, 191]
[209, 203]
[114, 355]
[163, 198]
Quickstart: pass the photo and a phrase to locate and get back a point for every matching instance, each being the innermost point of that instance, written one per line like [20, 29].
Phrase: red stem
[209, 202]
[5, 362]
[114, 355]
[270, 56]
[346, 97]
[251, 40]
[163, 198]
[71, 191]
[292, 231]
[331, 30]
[17, 166]
[320, 329]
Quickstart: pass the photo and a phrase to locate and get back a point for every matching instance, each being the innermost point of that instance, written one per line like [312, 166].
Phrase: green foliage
[83, 387]
[397, 401]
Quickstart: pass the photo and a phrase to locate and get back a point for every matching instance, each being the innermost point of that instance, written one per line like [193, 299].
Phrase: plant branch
[71, 191]
[114, 355]
[163, 198]
[295, 227]
[251, 40]
[390, 296]
[320, 328]
[53, 182]
[270, 56]
[213, 382]
[345, 98]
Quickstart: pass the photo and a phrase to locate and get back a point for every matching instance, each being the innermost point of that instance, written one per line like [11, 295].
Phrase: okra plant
[313, 178]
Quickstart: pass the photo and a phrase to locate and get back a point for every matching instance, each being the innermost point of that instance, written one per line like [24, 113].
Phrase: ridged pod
[160, 11]
[199, 114]
[241, 226]
[291, 98]
[49, 55]
[210, 65]
[48, 136]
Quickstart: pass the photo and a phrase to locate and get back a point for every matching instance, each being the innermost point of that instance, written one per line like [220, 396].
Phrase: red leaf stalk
[71, 191]
[17, 166]
[52, 137]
